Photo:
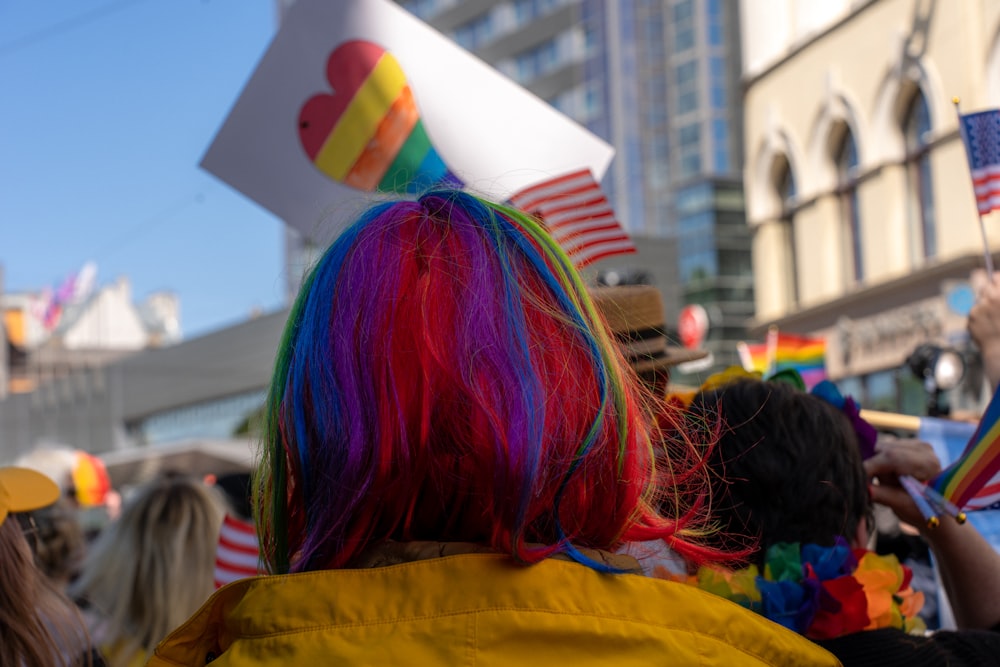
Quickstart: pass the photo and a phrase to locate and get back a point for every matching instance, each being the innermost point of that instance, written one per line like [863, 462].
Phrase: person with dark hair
[789, 479]
[789, 468]
[453, 452]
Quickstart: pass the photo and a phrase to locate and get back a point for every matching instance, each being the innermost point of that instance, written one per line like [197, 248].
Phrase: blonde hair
[152, 568]
[39, 627]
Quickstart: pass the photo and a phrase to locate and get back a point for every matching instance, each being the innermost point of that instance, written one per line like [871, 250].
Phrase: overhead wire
[64, 26]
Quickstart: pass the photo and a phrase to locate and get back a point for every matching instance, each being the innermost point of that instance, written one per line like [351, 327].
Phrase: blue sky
[107, 108]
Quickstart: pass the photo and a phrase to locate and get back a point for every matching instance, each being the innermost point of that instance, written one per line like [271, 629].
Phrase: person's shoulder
[556, 601]
[755, 638]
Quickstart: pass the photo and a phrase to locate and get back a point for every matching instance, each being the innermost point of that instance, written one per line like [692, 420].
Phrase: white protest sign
[354, 94]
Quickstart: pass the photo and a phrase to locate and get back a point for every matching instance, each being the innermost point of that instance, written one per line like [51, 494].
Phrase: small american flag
[981, 133]
[237, 555]
[577, 215]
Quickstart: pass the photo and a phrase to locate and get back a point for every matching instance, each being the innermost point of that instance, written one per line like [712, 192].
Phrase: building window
[537, 61]
[714, 12]
[686, 75]
[218, 419]
[475, 33]
[690, 149]
[920, 192]
[526, 11]
[657, 168]
[591, 39]
[717, 83]
[720, 145]
[683, 25]
[423, 9]
[850, 213]
[581, 103]
[593, 100]
[787, 193]
[656, 115]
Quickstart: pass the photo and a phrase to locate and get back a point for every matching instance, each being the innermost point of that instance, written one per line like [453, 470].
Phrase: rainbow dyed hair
[444, 376]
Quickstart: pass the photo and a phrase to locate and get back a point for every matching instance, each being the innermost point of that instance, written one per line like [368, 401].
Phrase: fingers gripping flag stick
[577, 215]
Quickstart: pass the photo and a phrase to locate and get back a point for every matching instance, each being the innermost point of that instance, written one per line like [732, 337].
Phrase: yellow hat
[24, 490]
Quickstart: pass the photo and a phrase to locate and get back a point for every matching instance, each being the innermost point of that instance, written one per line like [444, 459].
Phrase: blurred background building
[80, 326]
[859, 196]
[192, 404]
[859, 206]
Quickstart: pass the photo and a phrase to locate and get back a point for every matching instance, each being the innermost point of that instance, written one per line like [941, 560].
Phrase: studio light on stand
[940, 369]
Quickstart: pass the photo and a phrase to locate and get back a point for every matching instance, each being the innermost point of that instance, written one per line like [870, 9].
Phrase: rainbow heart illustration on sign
[367, 133]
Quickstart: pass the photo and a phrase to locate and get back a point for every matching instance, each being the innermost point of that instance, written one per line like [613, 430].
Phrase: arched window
[786, 191]
[920, 193]
[846, 159]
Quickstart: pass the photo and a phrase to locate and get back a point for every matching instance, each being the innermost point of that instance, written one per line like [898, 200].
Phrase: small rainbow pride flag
[972, 482]
[784, 351]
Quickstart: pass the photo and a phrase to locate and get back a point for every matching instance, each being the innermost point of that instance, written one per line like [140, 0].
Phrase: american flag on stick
[577, 215]
[981, 132]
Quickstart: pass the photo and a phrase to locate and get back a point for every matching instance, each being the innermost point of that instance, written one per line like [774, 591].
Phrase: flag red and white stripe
[238, 554]
[981, 133]
[986, 498]
[578, 216]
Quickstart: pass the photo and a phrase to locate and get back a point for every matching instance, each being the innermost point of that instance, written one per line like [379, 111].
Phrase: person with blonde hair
[39, 627]
[150, 569]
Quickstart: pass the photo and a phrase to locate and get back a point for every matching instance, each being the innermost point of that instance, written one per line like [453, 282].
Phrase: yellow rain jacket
[477, 609]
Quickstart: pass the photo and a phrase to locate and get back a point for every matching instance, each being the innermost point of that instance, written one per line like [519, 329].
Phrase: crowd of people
[470, 456]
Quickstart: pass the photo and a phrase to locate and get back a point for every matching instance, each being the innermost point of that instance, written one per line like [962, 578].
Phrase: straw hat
[25, 490]
[636, 317]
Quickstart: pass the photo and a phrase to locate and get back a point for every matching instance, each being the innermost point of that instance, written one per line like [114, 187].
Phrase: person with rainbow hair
[454, 450]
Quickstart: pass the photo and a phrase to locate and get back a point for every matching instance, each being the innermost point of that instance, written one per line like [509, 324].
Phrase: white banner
[334, 101]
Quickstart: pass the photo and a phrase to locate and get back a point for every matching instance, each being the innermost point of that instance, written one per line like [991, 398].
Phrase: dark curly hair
[786, 467]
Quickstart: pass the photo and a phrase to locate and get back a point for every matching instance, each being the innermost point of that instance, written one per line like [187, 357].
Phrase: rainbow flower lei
[822, 592]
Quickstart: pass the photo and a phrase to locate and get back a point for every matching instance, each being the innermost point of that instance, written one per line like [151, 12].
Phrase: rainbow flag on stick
[785, 351]
[972, 482]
